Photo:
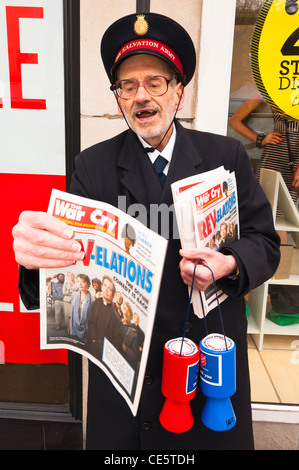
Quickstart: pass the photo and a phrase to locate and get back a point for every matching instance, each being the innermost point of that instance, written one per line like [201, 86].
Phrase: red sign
[20, 329]
[32, 148]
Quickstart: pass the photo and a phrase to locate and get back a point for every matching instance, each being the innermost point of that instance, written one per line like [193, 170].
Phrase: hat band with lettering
[153, 46]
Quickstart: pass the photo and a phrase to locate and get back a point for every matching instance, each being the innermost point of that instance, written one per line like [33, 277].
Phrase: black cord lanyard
[205, 319]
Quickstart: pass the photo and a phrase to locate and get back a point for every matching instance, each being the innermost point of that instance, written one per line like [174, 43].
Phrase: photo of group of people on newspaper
[227, 233]
[84, 311]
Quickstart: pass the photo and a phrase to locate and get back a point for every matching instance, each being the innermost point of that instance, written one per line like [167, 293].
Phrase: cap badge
[141, 25]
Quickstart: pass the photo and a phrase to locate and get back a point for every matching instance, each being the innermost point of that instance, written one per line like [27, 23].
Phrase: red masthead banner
[86, 217]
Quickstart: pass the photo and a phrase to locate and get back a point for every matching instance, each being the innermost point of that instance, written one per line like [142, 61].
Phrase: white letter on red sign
[16, 57]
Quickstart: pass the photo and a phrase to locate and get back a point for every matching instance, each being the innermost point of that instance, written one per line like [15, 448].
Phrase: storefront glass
[273, 348]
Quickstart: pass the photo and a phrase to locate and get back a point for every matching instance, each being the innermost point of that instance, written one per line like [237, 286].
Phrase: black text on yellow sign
[275, 55]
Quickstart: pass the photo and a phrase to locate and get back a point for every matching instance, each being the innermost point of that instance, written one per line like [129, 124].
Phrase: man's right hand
[43, 241]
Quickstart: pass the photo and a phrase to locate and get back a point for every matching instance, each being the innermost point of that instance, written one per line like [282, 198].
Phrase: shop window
[273, 358]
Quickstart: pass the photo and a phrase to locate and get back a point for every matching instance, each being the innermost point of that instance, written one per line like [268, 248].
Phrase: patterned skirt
[276, 157]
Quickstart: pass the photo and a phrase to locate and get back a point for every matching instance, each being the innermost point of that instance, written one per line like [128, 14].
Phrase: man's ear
[180, 96]
[120, 113]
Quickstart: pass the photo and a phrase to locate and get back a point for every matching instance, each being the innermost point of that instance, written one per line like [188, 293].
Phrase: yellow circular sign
[275, 55]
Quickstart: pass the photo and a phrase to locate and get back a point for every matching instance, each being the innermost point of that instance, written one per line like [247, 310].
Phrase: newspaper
[103, 307]
[206, 207]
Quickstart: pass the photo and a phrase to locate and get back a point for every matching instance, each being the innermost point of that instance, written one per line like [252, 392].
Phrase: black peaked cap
[149, 33]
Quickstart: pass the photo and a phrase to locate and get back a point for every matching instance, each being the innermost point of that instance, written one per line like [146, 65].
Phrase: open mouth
[146, 114]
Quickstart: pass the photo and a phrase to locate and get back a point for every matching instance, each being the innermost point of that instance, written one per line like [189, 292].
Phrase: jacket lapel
[138, 175]
[139, 178]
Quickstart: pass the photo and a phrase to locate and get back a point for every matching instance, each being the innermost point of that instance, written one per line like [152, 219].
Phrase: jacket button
[148, 380]
[146, 426]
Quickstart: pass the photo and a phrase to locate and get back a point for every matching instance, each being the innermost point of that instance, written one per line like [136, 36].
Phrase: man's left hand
[220, 264]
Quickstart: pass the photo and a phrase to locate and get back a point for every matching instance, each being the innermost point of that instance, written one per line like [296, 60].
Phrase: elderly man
[103, 321]
[149, 60]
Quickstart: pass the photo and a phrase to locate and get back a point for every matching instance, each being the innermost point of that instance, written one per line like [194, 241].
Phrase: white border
[33, 140]
[215, 61]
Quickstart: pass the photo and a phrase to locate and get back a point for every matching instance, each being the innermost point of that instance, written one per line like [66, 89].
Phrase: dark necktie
[159, 165]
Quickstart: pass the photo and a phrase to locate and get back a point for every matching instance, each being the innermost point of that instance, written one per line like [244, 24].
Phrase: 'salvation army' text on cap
[148, 33]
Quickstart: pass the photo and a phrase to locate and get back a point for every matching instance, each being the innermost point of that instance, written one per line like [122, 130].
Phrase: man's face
[149, 116]
[107, 291]
[223, 231]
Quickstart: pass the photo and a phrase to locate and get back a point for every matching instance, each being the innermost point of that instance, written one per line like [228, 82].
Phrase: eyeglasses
[155, 86]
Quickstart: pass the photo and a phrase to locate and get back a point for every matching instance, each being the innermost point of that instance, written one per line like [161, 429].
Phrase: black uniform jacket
[120, 167]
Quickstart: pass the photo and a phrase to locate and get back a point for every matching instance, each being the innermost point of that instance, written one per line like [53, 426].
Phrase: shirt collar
[167, 151]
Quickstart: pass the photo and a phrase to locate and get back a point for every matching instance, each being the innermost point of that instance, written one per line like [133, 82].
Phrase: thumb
[191, 254]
